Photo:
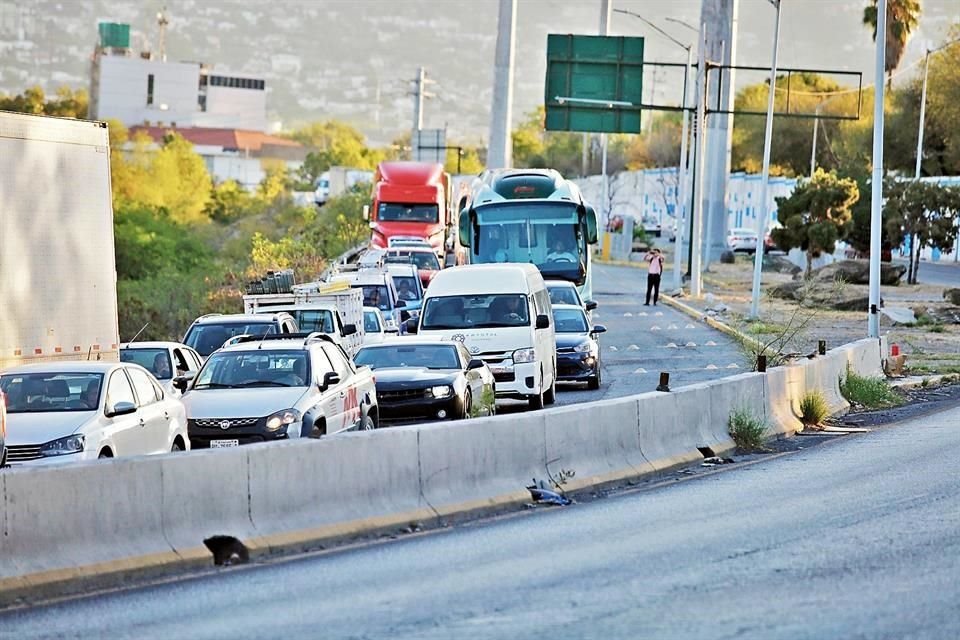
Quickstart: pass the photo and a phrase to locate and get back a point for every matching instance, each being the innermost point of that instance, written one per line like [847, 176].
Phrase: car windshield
[563, 294]
[375, 296]
[371, 323]
[569, 321]
[406, 287]
[314, 320]
[208, 337]
[393, 212]
[51, 392]
[425, 260]
[471, 312]
[426, 356]
[156, 361]
[259, 368]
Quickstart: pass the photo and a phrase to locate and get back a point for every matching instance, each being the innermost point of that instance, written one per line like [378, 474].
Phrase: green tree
[334, 143]
[177, 180]
[67, 103]
[816, 215]
[903, 16]
[658, 147]
[925, 214]
[229, 202]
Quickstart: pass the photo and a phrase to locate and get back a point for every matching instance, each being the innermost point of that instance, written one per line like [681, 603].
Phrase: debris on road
[714, 461]
[542, 493]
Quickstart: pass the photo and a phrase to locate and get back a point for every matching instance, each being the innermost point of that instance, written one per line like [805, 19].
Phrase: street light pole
[681, 198]
[696, 275]
[876, 191]
[923, 112]
[765, 175]
[813, 147]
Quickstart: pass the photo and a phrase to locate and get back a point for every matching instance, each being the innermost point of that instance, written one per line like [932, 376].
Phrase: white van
[502, 314]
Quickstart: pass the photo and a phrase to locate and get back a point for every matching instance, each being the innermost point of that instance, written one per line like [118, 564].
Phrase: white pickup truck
[277, 387]
[336, 311]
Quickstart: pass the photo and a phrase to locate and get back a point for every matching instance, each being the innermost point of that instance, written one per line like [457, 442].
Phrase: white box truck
[318, 306]
[58, 282]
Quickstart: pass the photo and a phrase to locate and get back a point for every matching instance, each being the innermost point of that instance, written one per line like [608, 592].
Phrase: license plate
[217, 444]
[500, 369]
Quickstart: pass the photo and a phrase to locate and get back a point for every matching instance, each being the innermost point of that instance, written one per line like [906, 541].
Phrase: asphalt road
[855, 539]
[945, 273]
[643, 341]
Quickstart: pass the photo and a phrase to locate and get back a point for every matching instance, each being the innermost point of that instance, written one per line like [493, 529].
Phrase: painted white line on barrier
[691, 344]
[654, 328]
[710, 366]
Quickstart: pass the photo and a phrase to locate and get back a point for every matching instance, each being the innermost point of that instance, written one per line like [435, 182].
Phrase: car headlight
[282, 419]
[584, 347]
[441, 391]
[524, 355]
[63, 446]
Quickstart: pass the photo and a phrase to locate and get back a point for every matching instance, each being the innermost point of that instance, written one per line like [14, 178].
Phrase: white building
[144, 90]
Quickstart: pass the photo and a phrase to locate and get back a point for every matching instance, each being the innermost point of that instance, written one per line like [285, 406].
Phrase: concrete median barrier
[481, 463]
[199, 504]
[603, 448]
[87, 524]
[65, 527]
[306, 491]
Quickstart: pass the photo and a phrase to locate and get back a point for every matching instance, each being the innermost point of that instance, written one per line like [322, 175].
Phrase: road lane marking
[655, 328]
[710, 366]
[640, 370]
[691, 344]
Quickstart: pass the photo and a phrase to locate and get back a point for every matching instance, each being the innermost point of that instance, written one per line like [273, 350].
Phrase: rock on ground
[857, 272]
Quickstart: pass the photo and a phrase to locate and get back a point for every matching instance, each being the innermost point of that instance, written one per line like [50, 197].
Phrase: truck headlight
[63, 446]
[441, 391]
[282, 419]
[524, 355]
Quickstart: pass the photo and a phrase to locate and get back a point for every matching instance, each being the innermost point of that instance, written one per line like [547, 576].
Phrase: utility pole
[762, 208]
[500, 150]
[420, 96]
[696, 237]
[720, 17]
[876, 187]
[606, 9]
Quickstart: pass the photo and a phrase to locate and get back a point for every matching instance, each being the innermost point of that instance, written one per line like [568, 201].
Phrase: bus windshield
[546, 235]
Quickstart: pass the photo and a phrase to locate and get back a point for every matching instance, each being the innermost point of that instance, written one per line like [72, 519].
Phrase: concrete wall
[93, 522]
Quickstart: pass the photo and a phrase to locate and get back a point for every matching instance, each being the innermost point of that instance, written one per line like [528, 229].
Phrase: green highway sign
[594, 83]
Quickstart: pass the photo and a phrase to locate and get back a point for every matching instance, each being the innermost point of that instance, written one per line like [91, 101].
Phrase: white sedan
[373, 329]
[70, 411]
[742, 240]
[165, 360]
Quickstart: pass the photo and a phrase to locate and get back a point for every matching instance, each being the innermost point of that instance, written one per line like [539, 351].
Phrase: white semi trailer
[58, 283]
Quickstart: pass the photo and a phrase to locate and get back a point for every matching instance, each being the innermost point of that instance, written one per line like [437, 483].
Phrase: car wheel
[536, 401]
[594, 383]
[177, 447]
[550, 396]
[366, 424]
[105, 454]
[467, 406]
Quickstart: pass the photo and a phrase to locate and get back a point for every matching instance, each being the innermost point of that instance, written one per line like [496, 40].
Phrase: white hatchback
[69, 411]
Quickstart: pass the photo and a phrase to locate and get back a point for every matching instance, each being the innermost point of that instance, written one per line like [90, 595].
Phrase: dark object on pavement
[227, 550]
[952, 296]
[780, 264]
[728, 257]
[543, 494]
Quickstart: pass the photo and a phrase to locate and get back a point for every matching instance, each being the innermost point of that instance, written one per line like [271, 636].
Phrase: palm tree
[902, 18]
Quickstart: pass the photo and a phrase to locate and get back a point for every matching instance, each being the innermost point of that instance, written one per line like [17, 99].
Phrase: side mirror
[411, 325]
[590, 218]
[599, 328]
[120, 409]
[590, 305]
[475, 363]
[366, 212]
[463, 228]
[349, 329]
[330, 378]
[543, 321]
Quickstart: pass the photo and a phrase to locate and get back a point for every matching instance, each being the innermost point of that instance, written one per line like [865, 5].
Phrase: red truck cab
[410, 202]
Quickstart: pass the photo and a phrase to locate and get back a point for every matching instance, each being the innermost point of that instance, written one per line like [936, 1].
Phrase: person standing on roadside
[654, 271]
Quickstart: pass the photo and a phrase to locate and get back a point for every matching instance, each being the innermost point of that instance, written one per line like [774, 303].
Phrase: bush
[747, 431]
[870, 392]
[813, 409]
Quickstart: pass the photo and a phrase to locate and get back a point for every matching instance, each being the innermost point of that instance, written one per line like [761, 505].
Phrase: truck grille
[506, 376]
[23, 453]
[215, 423]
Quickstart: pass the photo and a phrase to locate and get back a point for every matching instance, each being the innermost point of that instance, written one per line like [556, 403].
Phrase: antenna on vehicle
[134, 338]
[262, 338]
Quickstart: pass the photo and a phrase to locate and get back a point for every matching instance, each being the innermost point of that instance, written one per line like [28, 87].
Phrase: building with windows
[143, 89]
